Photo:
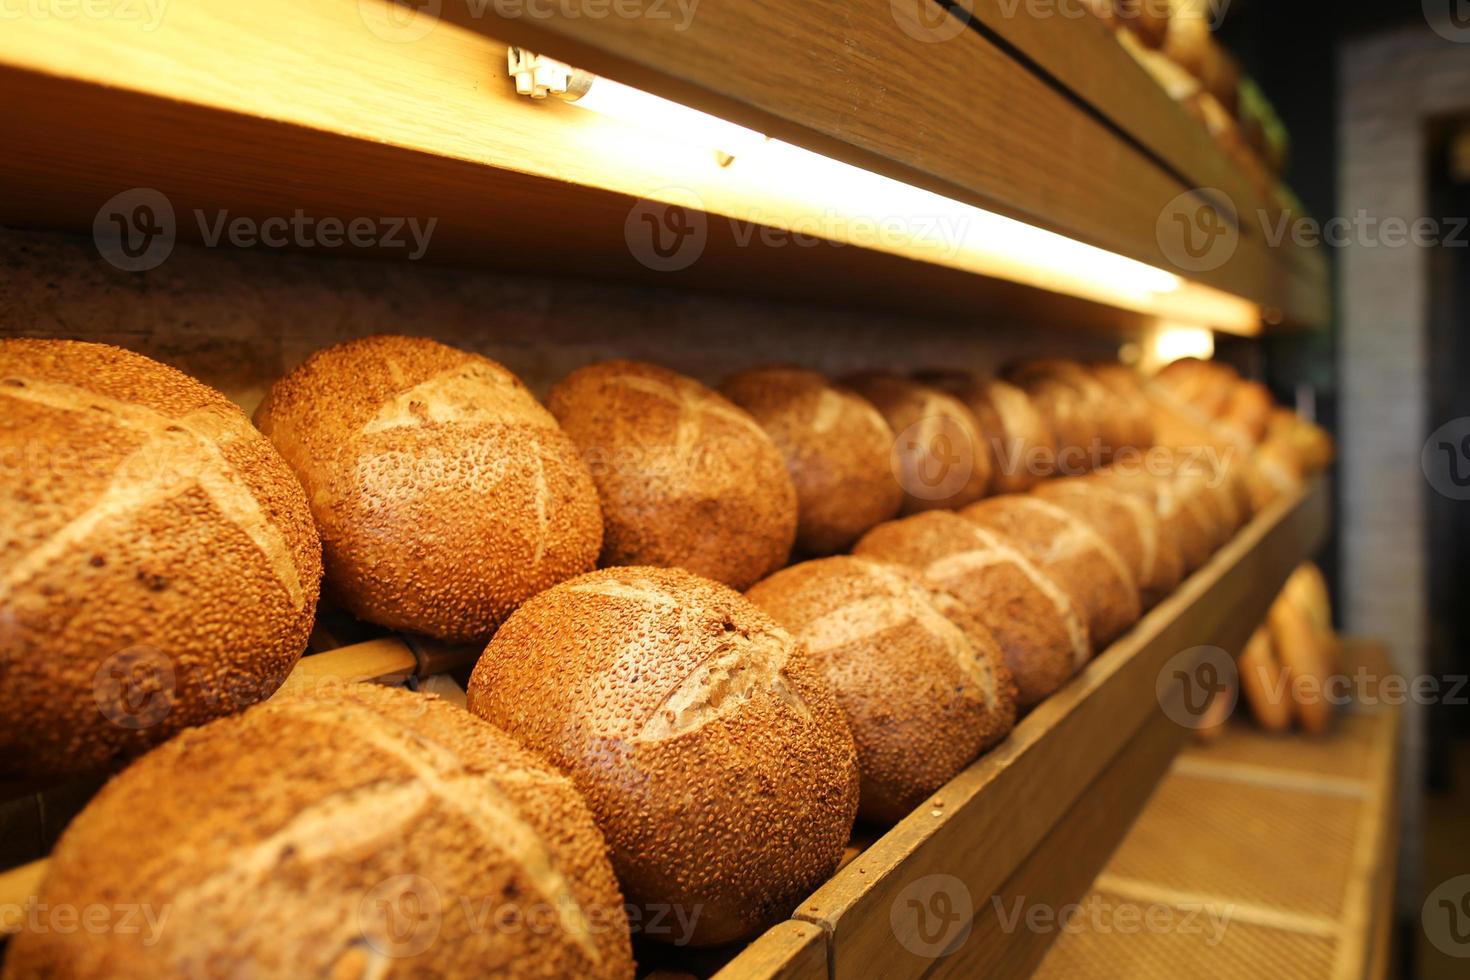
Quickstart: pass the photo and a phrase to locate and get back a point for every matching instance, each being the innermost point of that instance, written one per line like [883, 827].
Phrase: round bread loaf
[939, 455]
[1248, 412]
[158, 565]
[1073, 554]
[358, 832]
[687, 478]
[1020, 445]
[1131, 526]
[1081, 413]
[1184, 522]
[1206, 386]
[922, 696]
[715, 758]
[1127, 387]
[445, 494]
[1274, 470]
[1040, 633]
[836, 448]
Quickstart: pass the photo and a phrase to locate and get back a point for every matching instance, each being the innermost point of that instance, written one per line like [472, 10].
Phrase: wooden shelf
[1290, 836]
[262, 109]
[1037, 816]
[1040, 814]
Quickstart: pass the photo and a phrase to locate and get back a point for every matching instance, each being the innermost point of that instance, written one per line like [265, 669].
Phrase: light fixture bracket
[538, 76]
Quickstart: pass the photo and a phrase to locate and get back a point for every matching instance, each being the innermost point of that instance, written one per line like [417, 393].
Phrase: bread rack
[1080, 766]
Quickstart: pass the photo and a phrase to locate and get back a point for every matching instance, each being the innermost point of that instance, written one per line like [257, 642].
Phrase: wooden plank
[1061, 869]
[221, 108]
[974, 829]
[1319, 889]
[346, 126]
[386, 657]
[789, 951]
[1084, 55]
[970, 123]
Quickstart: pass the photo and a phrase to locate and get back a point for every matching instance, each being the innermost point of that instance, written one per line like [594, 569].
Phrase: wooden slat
[1084, 55]
[219, 114]
[868, 83]
[789, 951]
[980, 826]
[1060, 870]
[1304, 867]
[223, 107]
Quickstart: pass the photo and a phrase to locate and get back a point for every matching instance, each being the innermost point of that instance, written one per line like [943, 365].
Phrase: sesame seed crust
[358, 831]
[922, 696]
[1035, 623]
[1077, 557]
[687, 478]
[716, 760]
[445, 494]
[836, 447]
[158, 564]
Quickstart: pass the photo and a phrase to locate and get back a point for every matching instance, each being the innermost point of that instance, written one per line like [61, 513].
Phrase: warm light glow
[670, 119]
[782, 186]
[956, 233]
[1171, 342]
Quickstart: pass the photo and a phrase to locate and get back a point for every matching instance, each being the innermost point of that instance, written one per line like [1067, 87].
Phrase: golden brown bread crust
[444, 493]
[687, 478]
[1301, 650]
[716, 760]
[1036, 625]
[939, 457]
[922, 696]
[1148, 20]
[1080, 560]
[1249, 410]
[1205, 386]
[1081, 413]
[1021, 447]
[1262, 683]
[1130, 525]
[1127, 386]
[836, 448]
[158, 565]
[361, 831]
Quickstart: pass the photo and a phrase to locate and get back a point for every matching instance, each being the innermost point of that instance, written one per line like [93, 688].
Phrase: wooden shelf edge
[970, 828]
[996, 133]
